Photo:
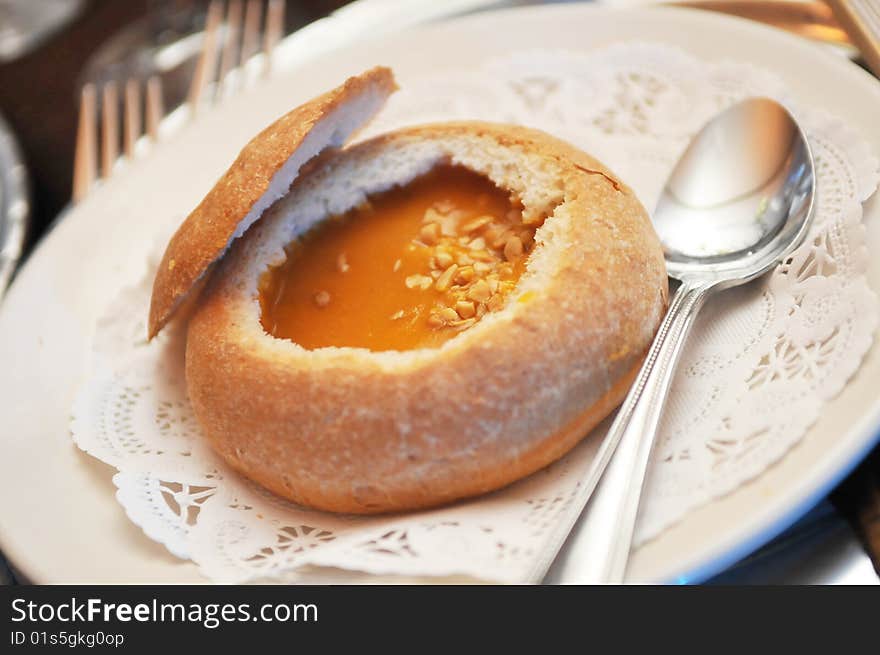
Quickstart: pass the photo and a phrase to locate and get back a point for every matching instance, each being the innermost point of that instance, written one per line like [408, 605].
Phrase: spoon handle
[606, 526]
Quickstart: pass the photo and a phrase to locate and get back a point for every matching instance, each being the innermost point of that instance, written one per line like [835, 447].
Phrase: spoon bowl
[739, 200]
[740, 196]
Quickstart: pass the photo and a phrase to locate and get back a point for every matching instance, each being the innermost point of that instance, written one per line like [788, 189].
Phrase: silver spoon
[738, 202]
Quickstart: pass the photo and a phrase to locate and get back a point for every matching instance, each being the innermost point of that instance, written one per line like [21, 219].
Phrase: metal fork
[861, 19]
[91, 140]
[236, 43]
[233, 51]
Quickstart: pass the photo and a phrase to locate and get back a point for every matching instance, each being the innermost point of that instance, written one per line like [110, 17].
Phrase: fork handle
[606, 526]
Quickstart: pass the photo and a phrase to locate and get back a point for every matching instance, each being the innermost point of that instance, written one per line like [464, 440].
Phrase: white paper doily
[758, 366]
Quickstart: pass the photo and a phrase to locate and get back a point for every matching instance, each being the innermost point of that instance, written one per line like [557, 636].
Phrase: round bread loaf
[353, 430]
[259, 176]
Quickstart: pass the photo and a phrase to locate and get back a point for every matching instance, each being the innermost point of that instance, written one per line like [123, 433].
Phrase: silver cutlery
[14, 205]
[738, 202]
[234, 44]
[100, 142]
[861, 20]
[228, 50]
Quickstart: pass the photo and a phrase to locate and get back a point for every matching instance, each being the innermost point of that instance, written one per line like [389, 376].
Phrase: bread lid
[261, 174]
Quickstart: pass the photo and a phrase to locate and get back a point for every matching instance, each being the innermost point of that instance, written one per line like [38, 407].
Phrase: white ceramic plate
[59, 521]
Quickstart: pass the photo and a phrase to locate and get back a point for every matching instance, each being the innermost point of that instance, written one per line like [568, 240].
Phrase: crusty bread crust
[208, 231]
[350, 430]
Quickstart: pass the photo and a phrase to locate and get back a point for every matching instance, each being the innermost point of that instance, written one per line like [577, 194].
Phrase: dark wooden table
[38, 96]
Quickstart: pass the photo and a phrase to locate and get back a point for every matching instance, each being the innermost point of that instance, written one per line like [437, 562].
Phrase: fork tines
[239, 39]
[204, 72]
[84, 160]
[89, 142]
[109, 128]
[274, 29]
[228, 46]
[861, 20]
[231, 38]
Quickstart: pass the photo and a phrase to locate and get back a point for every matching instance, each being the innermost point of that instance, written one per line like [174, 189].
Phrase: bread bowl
[497, 373]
